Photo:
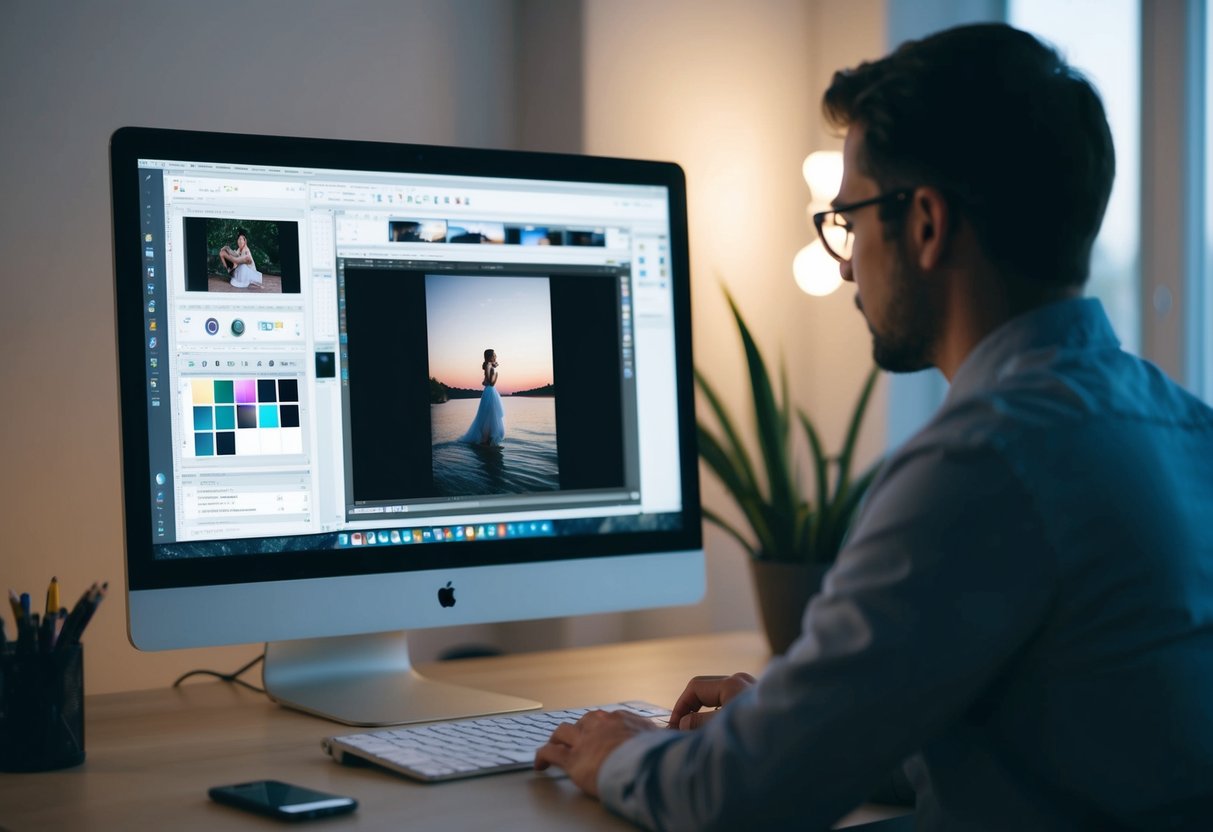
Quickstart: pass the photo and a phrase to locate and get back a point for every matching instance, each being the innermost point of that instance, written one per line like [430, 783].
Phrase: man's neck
[980, 304]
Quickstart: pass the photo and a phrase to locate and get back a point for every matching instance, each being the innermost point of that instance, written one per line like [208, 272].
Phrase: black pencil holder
[41, 709]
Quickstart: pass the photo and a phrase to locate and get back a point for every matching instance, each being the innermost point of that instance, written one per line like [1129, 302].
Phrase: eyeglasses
[835, 230]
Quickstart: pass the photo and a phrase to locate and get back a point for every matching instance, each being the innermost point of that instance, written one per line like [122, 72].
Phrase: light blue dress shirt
[1024, 611]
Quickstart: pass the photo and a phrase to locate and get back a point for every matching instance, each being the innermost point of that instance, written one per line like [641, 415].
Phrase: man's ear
[928, 226]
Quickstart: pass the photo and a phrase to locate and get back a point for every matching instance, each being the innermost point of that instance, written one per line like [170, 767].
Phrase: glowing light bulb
[823, 172]
[816, 272]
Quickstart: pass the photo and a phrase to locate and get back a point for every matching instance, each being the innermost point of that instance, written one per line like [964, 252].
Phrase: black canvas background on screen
[388, 348]
[587, 367]
[388, 385]
[196, 274]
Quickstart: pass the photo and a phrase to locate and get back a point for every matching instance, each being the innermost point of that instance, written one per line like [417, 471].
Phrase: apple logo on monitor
[446, 595]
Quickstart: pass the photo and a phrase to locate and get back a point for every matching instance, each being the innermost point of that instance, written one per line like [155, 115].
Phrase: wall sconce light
[823, 173]
[816, 272]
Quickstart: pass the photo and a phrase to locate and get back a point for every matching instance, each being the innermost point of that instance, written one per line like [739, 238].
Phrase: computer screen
[368, 387]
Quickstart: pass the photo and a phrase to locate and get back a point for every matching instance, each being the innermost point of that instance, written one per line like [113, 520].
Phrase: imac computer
[372, 387]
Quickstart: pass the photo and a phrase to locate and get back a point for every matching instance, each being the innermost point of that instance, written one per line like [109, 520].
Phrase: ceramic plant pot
[783, 591]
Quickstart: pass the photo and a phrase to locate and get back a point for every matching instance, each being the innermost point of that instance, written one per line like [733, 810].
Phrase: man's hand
[706, 692]
[581, 748]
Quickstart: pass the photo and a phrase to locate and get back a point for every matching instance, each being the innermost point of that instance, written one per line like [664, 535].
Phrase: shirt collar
[1071, 323]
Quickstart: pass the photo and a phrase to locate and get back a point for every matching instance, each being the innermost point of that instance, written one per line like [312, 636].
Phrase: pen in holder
[41, 709]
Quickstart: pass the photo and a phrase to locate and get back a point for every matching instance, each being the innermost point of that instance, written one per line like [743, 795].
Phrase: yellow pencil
[52, 598]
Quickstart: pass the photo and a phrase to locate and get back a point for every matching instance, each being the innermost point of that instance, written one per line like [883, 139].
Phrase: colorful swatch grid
[243, 416]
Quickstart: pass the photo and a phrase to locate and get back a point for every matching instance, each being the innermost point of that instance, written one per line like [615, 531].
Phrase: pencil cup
[41, 709]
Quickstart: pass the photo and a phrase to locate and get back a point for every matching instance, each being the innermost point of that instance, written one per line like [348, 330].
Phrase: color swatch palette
[243, 416]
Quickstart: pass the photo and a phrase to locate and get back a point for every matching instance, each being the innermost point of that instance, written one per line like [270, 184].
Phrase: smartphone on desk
[282, 800]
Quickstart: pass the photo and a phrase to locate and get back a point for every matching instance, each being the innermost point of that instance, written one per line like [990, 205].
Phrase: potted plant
[792, 537]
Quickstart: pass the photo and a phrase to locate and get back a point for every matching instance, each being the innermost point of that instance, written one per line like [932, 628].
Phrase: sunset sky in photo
[512, 315]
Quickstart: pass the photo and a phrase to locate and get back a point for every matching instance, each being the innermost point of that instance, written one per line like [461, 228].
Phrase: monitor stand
[369, 680]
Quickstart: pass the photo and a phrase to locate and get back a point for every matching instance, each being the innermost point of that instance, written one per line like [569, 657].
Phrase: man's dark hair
[1014, 137]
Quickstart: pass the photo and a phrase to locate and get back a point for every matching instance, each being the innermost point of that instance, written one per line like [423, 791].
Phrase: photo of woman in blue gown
[472, 400]
[488, 428]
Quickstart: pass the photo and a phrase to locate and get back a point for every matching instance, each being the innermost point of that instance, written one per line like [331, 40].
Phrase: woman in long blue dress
[488, 428]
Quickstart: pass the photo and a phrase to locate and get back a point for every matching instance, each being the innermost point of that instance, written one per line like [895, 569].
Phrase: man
[1024, 611]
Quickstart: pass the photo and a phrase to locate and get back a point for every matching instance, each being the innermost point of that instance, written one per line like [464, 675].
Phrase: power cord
[233, 677]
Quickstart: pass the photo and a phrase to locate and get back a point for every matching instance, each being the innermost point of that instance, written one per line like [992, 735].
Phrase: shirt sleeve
[947, 574]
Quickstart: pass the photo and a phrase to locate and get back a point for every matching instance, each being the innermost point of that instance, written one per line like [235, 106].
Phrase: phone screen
[282, 800]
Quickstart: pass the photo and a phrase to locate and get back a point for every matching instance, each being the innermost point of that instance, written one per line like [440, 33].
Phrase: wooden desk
[153, 754]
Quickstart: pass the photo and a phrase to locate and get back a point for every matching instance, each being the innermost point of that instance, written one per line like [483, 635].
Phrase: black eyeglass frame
[819, 219]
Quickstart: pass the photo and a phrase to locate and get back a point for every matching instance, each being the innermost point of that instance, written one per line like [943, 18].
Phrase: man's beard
[912, 323]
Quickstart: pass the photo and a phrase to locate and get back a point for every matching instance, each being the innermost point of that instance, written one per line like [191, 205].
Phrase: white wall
[435, 72]
[732, 93]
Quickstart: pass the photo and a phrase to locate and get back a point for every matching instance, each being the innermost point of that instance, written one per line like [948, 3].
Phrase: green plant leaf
[846, 505]
[848, 447]
[737, 451]
[785, 411]
[748, 499]
[785, 415]
[722, 465]
[785, 525]
[762, 521]
[820, 460]
[724, 524]
[821, 466]
[803, 532]
[771, 438]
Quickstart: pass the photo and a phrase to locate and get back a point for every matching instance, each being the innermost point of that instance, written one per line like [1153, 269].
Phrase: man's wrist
[622, 767]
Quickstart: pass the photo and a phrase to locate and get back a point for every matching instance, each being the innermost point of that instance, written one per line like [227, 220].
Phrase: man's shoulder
[1063, 394]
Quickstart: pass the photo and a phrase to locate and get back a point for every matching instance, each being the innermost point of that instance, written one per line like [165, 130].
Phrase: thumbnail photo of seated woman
[240, 264]
[241, 255]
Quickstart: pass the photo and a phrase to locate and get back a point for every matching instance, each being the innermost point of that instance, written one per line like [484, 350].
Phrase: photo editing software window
[340, 359]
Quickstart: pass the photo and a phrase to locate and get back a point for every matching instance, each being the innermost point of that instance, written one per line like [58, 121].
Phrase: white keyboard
[470, 747]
